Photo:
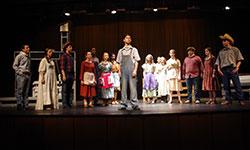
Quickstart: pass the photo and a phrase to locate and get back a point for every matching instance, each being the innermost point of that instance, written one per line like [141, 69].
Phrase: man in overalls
[128, 58]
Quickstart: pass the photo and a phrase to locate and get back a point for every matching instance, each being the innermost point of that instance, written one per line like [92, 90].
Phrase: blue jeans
[229, 75]
[67, 93]
[196, 83]
[125, 80]
[22, 90]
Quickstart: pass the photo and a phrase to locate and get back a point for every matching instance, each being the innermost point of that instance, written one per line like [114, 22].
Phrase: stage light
[155, 9]
[67, 14]
[113, 12]
[227, 8]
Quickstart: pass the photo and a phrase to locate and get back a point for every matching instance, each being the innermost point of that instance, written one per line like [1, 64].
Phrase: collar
[24, 53]
[127, 47]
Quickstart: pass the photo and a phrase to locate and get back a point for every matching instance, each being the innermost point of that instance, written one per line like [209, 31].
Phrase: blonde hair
[148, 57]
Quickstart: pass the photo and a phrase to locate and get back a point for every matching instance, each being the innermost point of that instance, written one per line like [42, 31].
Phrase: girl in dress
[174, 76]
[162, 78]
[106, 79]
[149, 81]
[47, 86]
[88, 80]
[116, 77]
[210, 81]
[158, 66]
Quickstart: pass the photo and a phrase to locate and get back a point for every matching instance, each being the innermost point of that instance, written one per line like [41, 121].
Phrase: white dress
[174, 74]
[158, 67]
[47, 92]
[162, 78]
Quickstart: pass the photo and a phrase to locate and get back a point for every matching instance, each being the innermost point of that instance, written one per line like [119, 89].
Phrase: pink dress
[209, 83]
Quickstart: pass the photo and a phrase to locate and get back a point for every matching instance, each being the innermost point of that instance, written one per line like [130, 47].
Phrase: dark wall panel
[90, 133]
[59, 133]
[162, 131]
[227, 130]
[125, 133]
[195, 128]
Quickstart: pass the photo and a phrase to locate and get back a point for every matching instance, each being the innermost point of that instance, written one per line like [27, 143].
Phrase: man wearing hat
[228, 62]
[68, 75]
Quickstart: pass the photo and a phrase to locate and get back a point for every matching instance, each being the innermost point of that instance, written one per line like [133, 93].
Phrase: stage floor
[156, 126]
[146, 109]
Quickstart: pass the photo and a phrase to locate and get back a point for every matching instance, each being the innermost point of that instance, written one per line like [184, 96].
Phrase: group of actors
[105, 78]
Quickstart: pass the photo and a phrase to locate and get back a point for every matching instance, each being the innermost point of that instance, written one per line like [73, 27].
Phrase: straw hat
[227, 37]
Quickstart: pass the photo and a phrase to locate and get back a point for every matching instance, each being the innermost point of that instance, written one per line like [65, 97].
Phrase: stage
[155, 126]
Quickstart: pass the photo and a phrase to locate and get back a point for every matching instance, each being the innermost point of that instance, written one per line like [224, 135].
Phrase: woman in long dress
[47, 83]
[210, 81]
[106, 79]
[174, 76]
[88, 81]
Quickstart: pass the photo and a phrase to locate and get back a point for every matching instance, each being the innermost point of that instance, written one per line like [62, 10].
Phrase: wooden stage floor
[155, 126]
[146, 109]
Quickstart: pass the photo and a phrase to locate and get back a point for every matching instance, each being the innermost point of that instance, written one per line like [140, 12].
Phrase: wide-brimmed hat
[66, 45]
[191, 48]
[227, 37]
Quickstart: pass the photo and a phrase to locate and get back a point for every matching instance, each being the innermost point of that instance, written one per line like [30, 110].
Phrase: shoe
[169, 102]
[136, 108]
[242, 103]
[187, 101]
[85, 103]
[226, 103]
[91, 104]
[180, 101]
[213, 102]
[122, 108]
[197, 101]
[209, 102]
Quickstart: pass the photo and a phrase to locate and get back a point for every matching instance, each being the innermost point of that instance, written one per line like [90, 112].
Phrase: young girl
[88, 80]
[162, 78]
[158, 67]
[210, 82]
[47, 86]
[149, 81]
[174, 76]
[106, 79]
[116, 77]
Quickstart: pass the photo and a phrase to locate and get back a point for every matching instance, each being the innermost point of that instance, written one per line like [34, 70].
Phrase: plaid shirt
[67, 64]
